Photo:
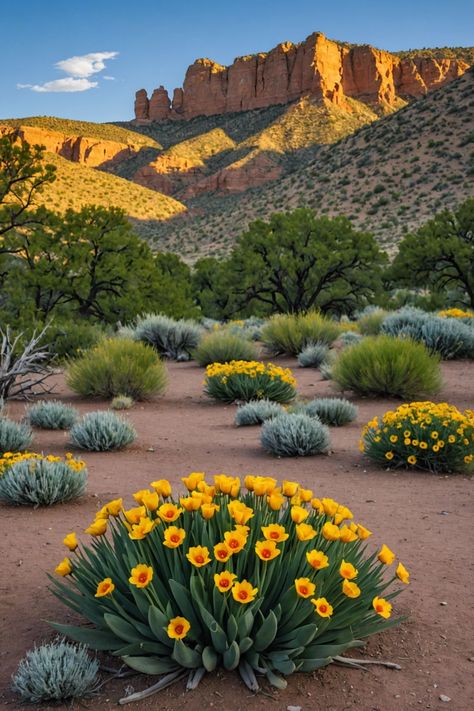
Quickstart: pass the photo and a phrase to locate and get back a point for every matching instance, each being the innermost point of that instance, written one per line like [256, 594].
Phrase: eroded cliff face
[89, 151]
[317, 67]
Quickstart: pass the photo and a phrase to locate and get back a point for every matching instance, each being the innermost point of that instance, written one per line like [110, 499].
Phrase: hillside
[388, 177]
[77, 185]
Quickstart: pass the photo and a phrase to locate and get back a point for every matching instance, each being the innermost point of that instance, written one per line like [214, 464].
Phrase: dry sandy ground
[426, 519]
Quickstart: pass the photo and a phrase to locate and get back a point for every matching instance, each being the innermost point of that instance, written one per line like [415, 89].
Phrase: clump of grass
[222, 347]
[121, 402]
[14, 436]
[294, 435]
[172, 339]
[289, 334]
[331, 411]
[313, 355]
[52, 415]
[256, 411]
[102, 432]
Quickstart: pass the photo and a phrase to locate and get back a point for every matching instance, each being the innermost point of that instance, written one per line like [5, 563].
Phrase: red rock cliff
[317, 67]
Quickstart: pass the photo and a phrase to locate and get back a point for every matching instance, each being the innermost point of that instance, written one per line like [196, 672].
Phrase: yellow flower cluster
[456, 313]
[250, 368]
[10, 458]
[417, 432]
[288, 532]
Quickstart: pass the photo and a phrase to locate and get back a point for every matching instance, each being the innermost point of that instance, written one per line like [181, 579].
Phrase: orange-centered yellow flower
[169, 512]
[244, 592]
[198, 556]
[105, 587]
[208, 510]
[289, 488]
[304, 587]
[317, 559]
[64, 568]
[350, 589]
[178, 628]
[267, 550]
[331, 532]
[382, 607]
[305, 532]
[162, 487]
[70, 541]
[221, 552]
[97, 528]
[298, 514]
[322, 607]
[403, 574]
[141, 575]
[173, 536]
[275, 532]
[141, 529]
[191, 482]
[347, 570]
[224, 580]
[234, 541]
[386, 556]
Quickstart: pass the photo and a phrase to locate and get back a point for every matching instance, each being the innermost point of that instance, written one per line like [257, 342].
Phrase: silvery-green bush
[56, 672]
[313, 355]
[294, 435]
[121, 402]
[101, 432]
[332, 411]
[348, 338]
[325, 370]
[14, 436]
[51, 415]
[173, 339]
[449, 338]
[39, 482]
[256, 411]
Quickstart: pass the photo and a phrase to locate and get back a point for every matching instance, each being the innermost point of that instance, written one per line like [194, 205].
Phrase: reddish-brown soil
[426, 519]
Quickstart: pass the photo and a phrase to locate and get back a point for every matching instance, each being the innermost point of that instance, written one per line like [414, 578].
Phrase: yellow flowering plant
[456, 313]
[274, 582]
[433, 436]
[249, 380]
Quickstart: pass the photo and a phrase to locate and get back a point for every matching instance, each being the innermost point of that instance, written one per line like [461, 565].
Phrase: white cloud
[69, 84]
[85, 65]
[108, 78]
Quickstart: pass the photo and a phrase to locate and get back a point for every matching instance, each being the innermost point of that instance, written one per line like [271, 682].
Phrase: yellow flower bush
[455, 313]
[249, 380]
[426, 435]
[276, 581]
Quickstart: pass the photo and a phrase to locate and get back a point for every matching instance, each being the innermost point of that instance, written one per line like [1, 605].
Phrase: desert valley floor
[426, 519]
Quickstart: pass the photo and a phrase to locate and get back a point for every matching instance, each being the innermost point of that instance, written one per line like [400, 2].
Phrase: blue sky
[153, 42]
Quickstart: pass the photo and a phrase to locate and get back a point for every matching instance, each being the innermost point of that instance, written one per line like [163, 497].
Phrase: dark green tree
[297, 261]
[440, 255]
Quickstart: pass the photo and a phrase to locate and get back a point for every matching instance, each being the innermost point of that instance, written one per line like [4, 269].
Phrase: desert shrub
[118, 367]
[313, 355]
[23, 363]
[101, 432]
[51, 415]
[457, 313]
[249, 380]
[294, 435]
[348, 338]
[332, 411]
[385, 366]
[325, 370]
[69, 339]
[32, 479]
[449, 337]
[121, 402]
[268, 580]
[222, 347]
[289, 334]
[14, 436]
[370, 322]
[254, 413]
[57, 671]
[172, 339]
[424, 435]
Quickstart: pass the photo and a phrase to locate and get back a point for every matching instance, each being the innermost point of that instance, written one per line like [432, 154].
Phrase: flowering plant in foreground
[249, 380]
[437, 437]
[9, 458]
[268, 579]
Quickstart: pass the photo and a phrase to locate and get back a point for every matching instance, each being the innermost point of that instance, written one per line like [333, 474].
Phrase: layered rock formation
[317, 67]
[89, 151]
